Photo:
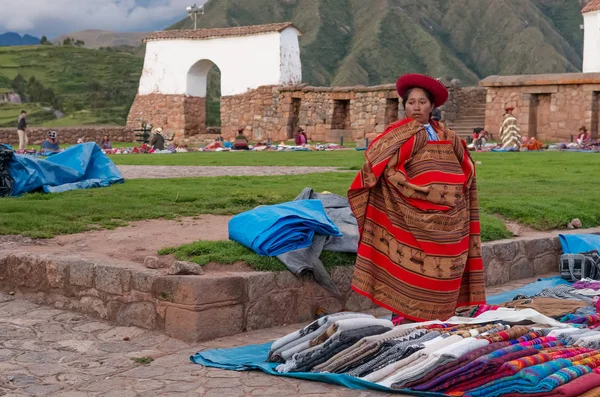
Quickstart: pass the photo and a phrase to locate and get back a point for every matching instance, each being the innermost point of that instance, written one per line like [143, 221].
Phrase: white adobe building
[591, 41]
[173, 84]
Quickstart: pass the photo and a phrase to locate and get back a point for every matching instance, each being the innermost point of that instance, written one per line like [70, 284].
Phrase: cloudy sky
[55, 17]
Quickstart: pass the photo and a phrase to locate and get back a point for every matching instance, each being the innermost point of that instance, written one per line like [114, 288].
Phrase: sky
[52, 18]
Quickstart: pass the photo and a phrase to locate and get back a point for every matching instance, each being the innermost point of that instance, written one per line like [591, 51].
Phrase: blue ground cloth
[578, 243]
[276, 229]
[528, 290]
[81, 166]
[252, 357]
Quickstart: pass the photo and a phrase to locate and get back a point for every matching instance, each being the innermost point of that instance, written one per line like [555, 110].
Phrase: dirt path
[134, 242]
[151, 171]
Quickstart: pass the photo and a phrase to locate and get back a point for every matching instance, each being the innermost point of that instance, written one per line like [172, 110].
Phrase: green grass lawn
[230, 252]
[541, 190]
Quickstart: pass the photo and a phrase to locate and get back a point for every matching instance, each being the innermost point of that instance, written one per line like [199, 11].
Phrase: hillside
[348, 42]
[15, 39]
[91, 86]
[104, 38]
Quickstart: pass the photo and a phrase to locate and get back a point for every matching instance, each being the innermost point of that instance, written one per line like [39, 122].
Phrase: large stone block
[57, 273]
[140, 314]
[282, 309]
[112, 279]
[143, 280]
[548, 263]
[27, 271]
[196, 326]
[260, 284]
[540, 246]
[201, 290]
[523, 268]
[507, 251]
[496, 272]
[81, 273]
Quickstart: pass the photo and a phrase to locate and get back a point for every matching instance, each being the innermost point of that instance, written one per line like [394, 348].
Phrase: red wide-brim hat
[434, 87]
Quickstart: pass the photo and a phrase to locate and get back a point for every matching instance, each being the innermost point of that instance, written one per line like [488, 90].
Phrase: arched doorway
[203, 91]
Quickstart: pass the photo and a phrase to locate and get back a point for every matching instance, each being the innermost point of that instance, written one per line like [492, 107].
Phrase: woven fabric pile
[458, 358]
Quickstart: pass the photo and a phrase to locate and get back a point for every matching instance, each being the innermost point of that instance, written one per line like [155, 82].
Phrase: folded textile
[526, 378]
[276, 229]
[435, 378]
[361, 351]
[393, 351]
[551, 307]
[398, 369]
[587, 284]
[435, 360]
[576, 387]
[314, 329]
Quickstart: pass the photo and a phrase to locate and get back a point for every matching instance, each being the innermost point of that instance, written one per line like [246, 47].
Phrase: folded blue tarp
[252, 357]
[578, 243]
[81, 166]
[276, 229]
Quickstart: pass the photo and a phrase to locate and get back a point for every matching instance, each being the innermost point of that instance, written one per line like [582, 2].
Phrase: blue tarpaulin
[252, 357]
[578, 243]
[81, 166]
[276, 229]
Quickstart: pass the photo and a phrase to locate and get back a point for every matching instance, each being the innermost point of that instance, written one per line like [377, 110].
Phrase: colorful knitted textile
[592, 362]
[587, 385]
[441, 375]
[509, 334]
[526, 378]
[573, 319]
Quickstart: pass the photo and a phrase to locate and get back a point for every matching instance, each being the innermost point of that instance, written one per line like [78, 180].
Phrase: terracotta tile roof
[593, 5]
[200, 34]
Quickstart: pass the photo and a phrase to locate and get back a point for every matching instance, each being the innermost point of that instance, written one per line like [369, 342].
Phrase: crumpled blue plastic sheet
[81, 166]
[252, 357]
[276, 229]
[527, 290]
[578, 243]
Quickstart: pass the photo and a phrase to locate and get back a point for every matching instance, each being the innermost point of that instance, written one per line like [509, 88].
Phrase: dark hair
[23, 111]
[407, 95]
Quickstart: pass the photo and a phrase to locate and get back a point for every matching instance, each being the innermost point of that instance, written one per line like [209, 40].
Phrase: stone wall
[461, 101]
[69, 135]
[192, 308]
[549, 107]
[326, 113]
[178, 115]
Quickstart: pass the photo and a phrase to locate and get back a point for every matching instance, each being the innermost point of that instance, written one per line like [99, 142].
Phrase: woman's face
[418, 106]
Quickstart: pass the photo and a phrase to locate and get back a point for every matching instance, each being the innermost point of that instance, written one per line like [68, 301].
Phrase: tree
[44, 40]
[68, 41]
[79, 43]
[19, 85]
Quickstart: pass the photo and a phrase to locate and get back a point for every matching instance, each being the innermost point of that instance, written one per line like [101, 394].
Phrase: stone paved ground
[151, 171]
[49, 352]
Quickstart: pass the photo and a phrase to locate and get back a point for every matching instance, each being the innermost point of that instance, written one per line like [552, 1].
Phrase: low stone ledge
[197, 308]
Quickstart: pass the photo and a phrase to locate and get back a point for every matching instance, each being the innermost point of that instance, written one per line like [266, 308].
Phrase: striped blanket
[416, 205]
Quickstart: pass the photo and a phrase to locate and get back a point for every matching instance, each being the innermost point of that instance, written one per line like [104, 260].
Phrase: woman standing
[415, 200]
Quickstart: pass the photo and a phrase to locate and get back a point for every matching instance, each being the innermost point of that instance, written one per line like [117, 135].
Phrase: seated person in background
[534, 144]
[241, 142]
[480, 139]
[301, 137]
[584, 136]
[105, 144]
[158, 141]
[215, 145]
[80, 140]
[50, 144]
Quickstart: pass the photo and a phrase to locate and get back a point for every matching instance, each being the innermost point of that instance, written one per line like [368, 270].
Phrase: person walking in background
[22, 131]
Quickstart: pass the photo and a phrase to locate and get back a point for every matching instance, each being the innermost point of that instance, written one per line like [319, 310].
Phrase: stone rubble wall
[549, 112]
[69, 135]
[178, 115]
[192, 308]
[268, 112]
[196, 308]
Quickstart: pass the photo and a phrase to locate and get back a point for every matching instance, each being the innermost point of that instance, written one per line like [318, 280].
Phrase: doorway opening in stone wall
[533, 113]
[542, 129]
[341, 115]
[202, 107]
[294, 117]
[595, 127]
[392, 106]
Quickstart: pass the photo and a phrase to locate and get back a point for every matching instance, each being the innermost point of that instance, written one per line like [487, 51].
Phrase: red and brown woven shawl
[416, 204]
